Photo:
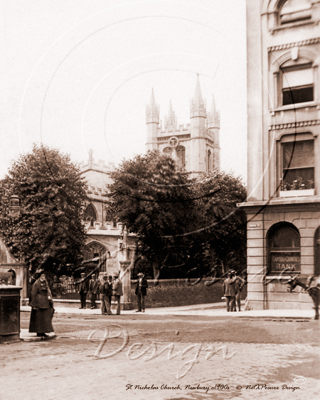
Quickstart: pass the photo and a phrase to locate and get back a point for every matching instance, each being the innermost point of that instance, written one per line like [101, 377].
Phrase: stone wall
[176, 292]
[168, 293]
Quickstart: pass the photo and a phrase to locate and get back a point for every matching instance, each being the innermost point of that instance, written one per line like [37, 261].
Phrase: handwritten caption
[207, 389]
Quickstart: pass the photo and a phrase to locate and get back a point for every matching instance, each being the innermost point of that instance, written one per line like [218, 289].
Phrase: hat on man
[140, 274]
[105, 277]
[39, 271]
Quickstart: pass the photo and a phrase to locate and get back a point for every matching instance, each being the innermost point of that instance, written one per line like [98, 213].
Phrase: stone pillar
[125, 276]
[125, 269]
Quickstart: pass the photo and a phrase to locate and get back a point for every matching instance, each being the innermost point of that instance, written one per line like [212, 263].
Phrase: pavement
[209, 310]
[213, 309]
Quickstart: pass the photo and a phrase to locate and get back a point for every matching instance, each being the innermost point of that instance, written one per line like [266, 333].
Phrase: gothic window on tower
[298, 165]
[293, 11]
[297, 84]
[209, 161]
[181, 154]
[90, 215]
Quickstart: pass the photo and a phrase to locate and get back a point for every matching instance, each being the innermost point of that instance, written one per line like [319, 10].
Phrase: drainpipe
[265, 287]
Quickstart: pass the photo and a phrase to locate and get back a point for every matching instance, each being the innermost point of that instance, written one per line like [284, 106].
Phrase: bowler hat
[140, 274]
[39, 271]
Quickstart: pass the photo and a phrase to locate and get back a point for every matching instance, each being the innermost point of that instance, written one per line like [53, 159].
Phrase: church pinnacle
[198, 108]
[214, 116]
[171, 120]
[152, 112]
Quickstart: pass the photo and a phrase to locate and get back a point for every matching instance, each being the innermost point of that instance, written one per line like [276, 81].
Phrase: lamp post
[9, 206]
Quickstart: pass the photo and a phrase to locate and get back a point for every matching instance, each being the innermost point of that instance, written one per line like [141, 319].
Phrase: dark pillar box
[9, 313]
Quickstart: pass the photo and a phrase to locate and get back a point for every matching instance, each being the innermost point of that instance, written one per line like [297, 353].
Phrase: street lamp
[9, 206]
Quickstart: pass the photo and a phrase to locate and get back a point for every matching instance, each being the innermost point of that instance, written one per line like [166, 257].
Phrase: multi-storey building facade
[283, 207]
[194, 146]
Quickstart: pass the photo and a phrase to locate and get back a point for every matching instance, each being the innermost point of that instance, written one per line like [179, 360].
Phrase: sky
[77, 75]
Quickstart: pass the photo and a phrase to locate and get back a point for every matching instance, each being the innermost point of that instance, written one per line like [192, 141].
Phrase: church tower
[194, 146]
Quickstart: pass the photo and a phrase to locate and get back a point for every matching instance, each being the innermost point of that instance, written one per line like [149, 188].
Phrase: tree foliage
[48, 231]
[184, 225]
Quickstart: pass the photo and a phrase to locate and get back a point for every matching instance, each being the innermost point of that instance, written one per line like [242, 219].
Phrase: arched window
[181, 154]
[90, 214]
[291, 11]
[97, 254]
[283, 248]
[317, 252]
[209, 161]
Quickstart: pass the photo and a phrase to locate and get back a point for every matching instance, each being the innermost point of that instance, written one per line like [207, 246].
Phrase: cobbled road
[165, 357]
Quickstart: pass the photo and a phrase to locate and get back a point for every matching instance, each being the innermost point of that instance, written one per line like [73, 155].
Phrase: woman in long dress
[42, 307]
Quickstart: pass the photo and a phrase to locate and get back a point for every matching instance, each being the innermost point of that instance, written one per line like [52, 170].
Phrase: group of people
[104, 288]
[232, 287]
[107, 287]
[41, 301]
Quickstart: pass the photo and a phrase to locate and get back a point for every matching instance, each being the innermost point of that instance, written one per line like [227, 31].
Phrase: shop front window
[284, 249]
[317, 252]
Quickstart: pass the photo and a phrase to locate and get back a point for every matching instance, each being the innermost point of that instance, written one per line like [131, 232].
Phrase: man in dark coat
[238, 285]
[229, 290]
[93, 290]
[42, 307]
[117, 291]
[82, 289]
[141, 291]
[105, 291]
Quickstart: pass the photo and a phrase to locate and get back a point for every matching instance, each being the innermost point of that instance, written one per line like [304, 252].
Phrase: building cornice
[294, 125]
[300, 43]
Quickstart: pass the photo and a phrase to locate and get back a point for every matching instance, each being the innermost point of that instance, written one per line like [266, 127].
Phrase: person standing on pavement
[32, 280]
[82, 289]
[229, 290]
[141, 291]
[238, 285]
[93, 290]
[117, 291]
[105, 291]
[42, 307]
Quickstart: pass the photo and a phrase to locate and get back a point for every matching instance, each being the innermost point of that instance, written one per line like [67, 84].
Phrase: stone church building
[195, 146]
[103, 237]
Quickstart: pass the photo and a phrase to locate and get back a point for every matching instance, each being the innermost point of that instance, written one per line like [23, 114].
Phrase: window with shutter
[297, 85]
[298, 165]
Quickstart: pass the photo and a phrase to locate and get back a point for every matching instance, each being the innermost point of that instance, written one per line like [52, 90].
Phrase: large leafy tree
[48, 231]
[185, 226]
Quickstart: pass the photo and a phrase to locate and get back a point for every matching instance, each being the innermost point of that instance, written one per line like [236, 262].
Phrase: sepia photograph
[160, 199]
